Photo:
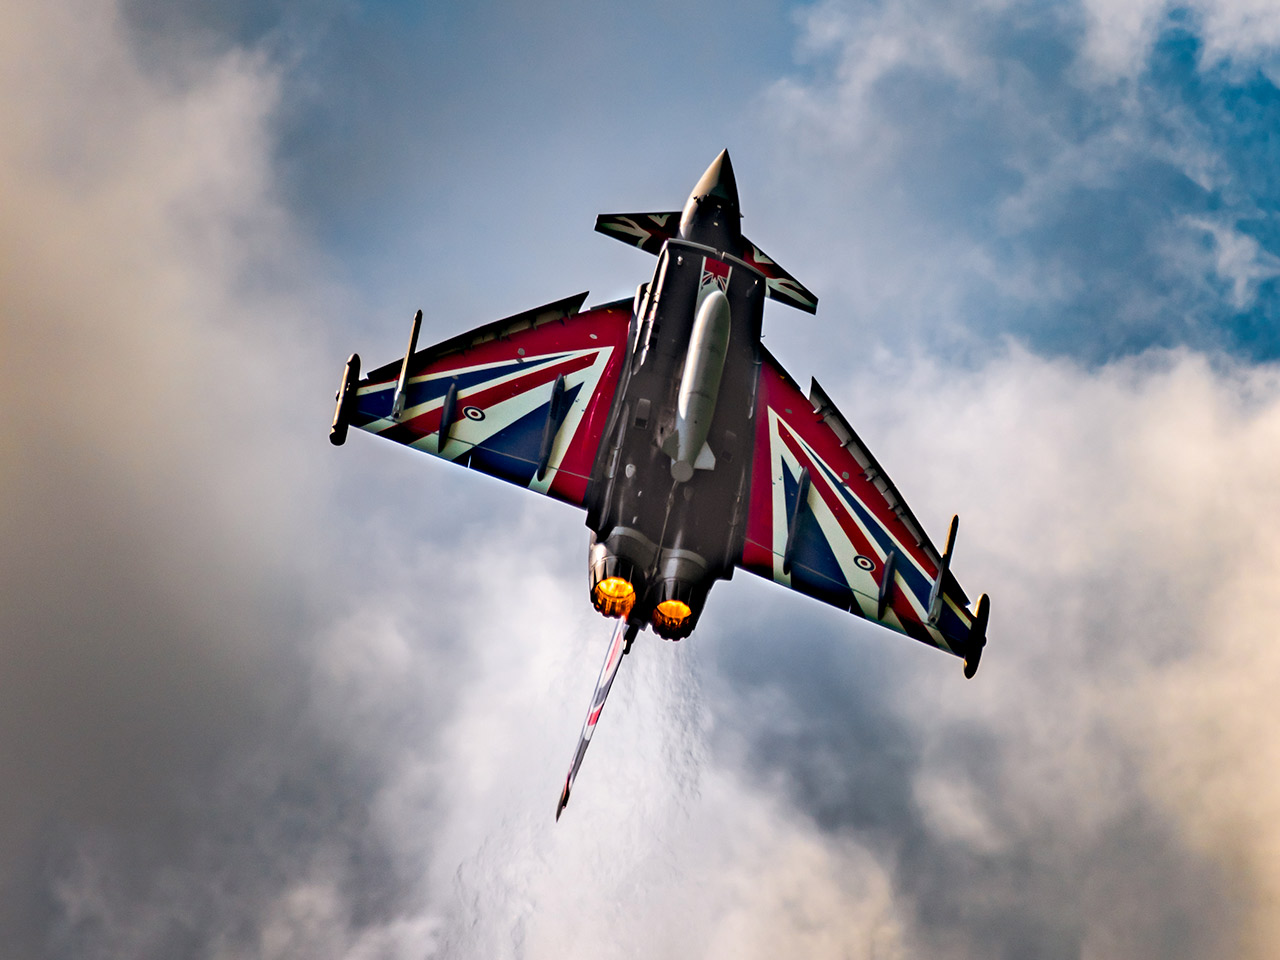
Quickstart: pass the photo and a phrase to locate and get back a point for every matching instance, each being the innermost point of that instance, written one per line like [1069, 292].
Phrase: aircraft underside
[691, 450]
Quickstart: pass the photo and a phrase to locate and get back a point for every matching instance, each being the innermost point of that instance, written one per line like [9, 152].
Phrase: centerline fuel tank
[699, 388]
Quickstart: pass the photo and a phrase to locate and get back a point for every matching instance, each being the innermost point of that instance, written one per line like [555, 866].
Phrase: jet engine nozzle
[614, 596]
[670, 618]
[617, 571]
[680, 594]
[711, 215]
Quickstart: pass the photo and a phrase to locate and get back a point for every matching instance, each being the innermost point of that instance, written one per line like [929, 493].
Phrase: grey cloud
[168, 774]
[267, 698]
[1050, 807]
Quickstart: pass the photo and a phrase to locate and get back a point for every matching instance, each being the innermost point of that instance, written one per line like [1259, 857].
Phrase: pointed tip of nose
[719, 181]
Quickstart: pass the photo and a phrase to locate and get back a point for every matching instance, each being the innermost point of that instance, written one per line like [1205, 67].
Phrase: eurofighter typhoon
[689, 448]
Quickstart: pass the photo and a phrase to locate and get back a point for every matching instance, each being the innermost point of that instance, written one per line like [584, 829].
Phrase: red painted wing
[503, 378]
[851, 520]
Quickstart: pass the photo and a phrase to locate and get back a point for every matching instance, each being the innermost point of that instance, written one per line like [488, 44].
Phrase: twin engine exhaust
[635, 581]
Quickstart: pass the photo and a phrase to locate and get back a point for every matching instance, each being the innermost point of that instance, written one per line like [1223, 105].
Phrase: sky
[264, 698]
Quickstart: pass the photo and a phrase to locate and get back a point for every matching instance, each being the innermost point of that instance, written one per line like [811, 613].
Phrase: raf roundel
[473, 413]
[866, 563]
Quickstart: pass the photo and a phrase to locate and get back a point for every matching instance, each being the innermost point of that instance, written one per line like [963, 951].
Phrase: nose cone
[711, 215]
[718, 182]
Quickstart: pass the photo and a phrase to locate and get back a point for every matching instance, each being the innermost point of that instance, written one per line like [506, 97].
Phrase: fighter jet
[689, 448]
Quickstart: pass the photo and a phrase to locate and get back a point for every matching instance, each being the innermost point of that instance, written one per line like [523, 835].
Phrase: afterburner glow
[670, 615]
[614, 597]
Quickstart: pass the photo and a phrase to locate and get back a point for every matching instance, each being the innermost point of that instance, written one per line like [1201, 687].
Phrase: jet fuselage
[691, 449]
[667, 508]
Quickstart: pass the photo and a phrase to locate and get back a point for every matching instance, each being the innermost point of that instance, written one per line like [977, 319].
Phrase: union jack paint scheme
[504, 376]
[853, 520]
[689, 448]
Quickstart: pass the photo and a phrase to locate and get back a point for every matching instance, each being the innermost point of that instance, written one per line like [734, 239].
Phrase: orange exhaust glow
[614, 597]
[671, 614]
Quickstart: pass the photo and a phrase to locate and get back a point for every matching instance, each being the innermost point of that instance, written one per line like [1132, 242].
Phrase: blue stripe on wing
[512, 453]
[814, 568]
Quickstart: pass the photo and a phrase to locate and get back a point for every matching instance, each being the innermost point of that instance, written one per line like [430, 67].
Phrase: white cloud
[1239, 260]
[1121, 33]
[1125, 523]
[1121, 519]
[270, 719]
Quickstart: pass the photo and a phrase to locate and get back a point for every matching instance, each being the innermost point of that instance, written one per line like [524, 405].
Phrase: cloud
[1240, 261]
[153, 524]
[265, 698]
[984, 178]
[1076, 798]
[793, 780]
[1120, 36]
